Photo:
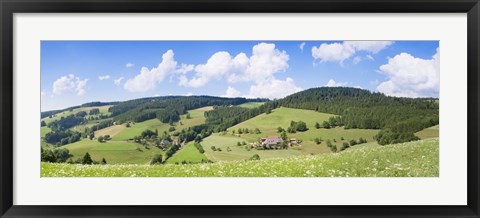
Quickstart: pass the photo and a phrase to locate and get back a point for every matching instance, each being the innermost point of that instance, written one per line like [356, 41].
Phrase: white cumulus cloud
[273, 89]
[259, 68]
[217, 67]
[332, 83]
[409, 76]
[231, 92]
[148, 78]
[69, 83]
[80, 89]
[368, 46]
[185, 68]
[339, 52]
[265, 61]
[104, 77]
[128, 65]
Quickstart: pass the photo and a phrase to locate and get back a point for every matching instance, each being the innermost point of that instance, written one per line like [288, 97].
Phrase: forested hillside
[363, 109]
[399, 118]
[44, 114]
[169, 108]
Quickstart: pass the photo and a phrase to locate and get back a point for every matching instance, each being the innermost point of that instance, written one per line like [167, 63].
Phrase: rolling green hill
[136, 128]
[238, 152]
[103, 111]
[268, 123]
[366, 161]
[189, 154]
[115, 152]
[121, 151]
[282, 117]
[230, 129]
[430, 132]
[196, 118]
[251, 104]
[44, 130]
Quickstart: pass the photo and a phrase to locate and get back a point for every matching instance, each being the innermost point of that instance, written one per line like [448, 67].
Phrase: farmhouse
[164, 144]
[271, 141]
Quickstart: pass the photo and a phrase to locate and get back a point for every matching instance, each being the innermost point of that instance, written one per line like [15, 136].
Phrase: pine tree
[87, 159]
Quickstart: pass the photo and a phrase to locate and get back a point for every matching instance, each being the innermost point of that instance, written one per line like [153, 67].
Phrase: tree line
[168, 108]
[90, 104]
[398, 118]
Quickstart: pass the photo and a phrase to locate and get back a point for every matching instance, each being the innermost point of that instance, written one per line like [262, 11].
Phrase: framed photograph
[239, 109]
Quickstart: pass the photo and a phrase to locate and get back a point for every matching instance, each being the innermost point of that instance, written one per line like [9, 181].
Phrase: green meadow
[231, 151]
[120, 150]
[196, 118]
[268, 123]
[189, 153]
[430, 132]
[115, 152]
[135, 129]
[44, 130]
[127, 158]
[411, 159]
[251, 104]
[111, 130]
[103, 111]
[282, 117]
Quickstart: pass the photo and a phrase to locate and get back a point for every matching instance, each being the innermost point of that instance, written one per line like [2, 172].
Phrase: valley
[192, 132]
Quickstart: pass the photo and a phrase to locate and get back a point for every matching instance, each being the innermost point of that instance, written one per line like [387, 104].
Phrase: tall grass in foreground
[412, 159]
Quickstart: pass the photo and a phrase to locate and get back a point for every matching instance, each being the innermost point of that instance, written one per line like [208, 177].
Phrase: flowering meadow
[412, 159]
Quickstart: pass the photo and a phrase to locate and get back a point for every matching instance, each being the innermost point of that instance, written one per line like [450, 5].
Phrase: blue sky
[76, 72]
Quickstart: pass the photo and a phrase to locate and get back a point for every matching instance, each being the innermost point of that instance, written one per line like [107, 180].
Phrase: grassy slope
[431, 132]
[282, 117]
[268, 123]
[251, 104]
[118, 150]
[137, 128]
[103, 110]
[415, 159]
[115, 152]
[111, 130]
[44, 130]
[196, 118]
[188, 153]
[79, 128]
[238, 152]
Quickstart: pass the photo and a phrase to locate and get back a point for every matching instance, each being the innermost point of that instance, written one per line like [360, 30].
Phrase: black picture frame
[9, 7]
